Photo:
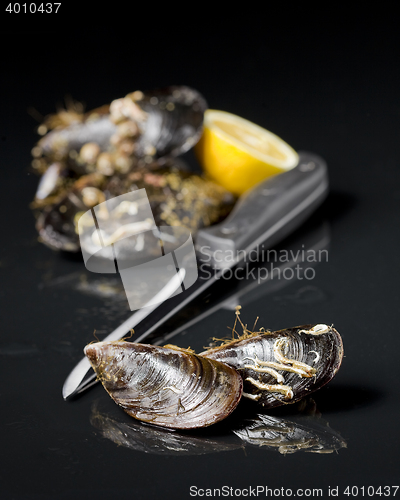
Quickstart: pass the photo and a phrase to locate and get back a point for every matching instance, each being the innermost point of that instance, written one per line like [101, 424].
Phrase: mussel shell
[166, 387]
[323, 352]
[174, 120]
[56, 223]
[49, 181]
[176, 195]
[74, 136]
[204, 203]
[56, 228]
[173, 125]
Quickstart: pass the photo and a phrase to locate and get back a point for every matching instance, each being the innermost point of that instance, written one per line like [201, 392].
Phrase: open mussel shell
[166, 387]
[284, 366]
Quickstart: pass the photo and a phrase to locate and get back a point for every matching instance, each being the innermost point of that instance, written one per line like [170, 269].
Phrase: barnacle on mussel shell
[167, 387]
[136, 129]
[283, 366]
[177, 198]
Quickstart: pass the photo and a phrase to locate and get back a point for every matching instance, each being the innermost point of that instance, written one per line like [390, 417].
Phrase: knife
[262, 216]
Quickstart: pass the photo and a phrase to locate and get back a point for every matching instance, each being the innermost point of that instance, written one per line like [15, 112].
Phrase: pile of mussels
[176, 388]
[133, 143]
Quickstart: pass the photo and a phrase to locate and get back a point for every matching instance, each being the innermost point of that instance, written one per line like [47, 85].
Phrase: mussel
[134, 130]
[166, 387]
[174, 387]
[283, 366]
[57, 222]
[177, 198]
[130, 144]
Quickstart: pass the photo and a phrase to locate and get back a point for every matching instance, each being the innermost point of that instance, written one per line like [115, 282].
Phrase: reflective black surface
[332, 90]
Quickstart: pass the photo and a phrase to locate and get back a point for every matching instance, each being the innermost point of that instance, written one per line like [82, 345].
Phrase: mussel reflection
[156, 440]
[300, 432]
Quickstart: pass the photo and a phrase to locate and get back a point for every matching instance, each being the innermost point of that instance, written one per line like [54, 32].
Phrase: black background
[325, 81]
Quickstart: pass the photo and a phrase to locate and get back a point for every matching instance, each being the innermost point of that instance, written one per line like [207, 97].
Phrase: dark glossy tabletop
[327, 90]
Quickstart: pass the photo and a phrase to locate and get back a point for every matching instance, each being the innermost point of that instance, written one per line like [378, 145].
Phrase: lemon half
[238, 154]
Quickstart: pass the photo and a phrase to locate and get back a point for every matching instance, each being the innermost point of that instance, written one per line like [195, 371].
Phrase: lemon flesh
[238, 154]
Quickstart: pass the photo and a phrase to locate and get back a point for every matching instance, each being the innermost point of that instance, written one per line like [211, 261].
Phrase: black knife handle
[266, 213]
